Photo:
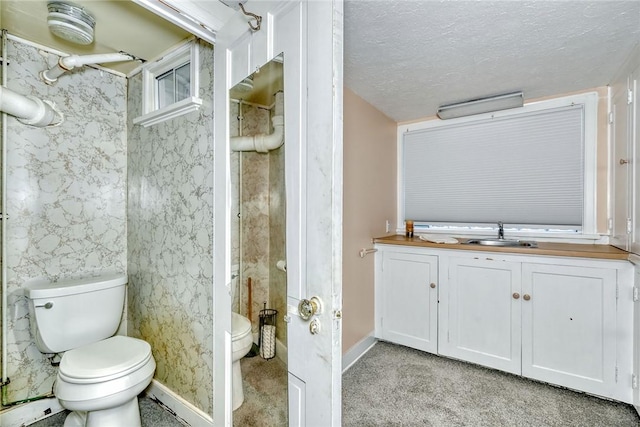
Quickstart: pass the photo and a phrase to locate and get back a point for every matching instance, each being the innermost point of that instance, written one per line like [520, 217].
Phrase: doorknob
[307, 308]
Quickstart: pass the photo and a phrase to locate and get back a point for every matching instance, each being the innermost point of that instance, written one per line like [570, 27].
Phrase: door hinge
[617, 291]
[630, 97]
[616, 374]
[610, 223]
[634, 381]
[635, 294]
[448, 338]
[628, 225]
[611, 117]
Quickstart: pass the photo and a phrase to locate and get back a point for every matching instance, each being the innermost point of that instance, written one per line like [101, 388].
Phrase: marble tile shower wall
[259, 181]
[254, 223]
[277, 248]
[66, 195]
[170, 253]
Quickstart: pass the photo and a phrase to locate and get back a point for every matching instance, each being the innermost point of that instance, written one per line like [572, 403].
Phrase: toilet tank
[71, 313]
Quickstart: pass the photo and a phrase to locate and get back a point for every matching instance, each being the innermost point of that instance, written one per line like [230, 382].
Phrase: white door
[634, 143]
[480, 313]
[309, 35]
[408, 300]
[620, 166]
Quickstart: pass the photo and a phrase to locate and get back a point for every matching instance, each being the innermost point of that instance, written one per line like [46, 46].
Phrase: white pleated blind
[521, 169]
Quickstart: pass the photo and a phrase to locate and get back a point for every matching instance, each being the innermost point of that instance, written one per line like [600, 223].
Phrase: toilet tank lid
[45, 289]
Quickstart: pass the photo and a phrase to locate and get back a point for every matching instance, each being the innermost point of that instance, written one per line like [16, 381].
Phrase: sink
[502, 243]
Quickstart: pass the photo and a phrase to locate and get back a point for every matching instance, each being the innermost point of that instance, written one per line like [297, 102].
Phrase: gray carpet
[265, 393]
[392, 385]
[151, 414]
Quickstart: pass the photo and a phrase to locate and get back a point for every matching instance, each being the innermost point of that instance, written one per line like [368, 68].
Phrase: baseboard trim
[357, 351]
[29, 413]
[184, 410]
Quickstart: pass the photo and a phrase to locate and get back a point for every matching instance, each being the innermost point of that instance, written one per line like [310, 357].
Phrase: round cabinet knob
[433, 285]
[516, 295]
[526, 297]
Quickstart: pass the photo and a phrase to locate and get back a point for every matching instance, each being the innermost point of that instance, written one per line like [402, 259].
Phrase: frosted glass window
[525, 169]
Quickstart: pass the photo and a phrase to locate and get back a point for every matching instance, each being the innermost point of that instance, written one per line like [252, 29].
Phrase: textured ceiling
[407, 57]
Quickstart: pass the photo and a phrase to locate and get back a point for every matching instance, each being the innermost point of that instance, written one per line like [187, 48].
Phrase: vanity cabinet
[565, 321]
[407, 302]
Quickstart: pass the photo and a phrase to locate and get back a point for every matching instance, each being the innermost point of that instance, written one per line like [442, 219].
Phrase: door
[480, 313]
[634, 142]
[568, 319]
[408, 300]
[309, 35]
[621, 165]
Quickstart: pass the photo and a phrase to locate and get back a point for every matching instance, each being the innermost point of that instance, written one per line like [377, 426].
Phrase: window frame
[187, 53]
[589, 225]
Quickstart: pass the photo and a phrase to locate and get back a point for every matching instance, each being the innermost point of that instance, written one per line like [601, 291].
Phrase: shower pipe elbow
[261, 143]
[68, 63]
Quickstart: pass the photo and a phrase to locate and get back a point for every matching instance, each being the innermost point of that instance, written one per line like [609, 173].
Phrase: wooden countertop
[544, 248]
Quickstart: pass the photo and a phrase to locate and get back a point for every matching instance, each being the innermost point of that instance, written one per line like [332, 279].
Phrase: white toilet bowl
[100, 382]
[241, 342]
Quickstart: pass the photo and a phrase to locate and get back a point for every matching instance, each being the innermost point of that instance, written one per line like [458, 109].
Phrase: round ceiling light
[70, 22]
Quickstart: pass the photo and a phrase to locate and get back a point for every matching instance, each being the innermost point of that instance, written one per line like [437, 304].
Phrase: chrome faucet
[500, 231]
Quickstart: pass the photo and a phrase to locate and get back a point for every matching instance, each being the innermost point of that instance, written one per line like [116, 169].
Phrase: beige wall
[369, 200]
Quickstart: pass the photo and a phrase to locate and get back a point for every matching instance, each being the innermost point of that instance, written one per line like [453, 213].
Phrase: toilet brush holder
[267, 338]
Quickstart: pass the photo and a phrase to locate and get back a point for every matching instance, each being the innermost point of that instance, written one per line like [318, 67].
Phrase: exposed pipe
[67, 63]
[29, 109]
[261, 143]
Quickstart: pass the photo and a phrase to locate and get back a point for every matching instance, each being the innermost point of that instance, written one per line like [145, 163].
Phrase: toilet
[100, 375]
[241, 342]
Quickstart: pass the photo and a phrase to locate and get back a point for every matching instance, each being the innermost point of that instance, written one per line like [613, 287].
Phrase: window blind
[519, 169]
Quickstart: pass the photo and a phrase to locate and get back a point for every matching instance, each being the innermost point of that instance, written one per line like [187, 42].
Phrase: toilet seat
[104, 360]
[240, 326]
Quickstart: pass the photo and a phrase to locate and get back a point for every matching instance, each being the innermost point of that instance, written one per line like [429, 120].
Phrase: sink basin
[502, 243]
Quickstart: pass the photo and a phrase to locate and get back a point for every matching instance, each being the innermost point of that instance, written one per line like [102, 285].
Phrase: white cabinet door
[634, 138]
[621, 164]
[409, 300]
[569, 326]
[480, 313]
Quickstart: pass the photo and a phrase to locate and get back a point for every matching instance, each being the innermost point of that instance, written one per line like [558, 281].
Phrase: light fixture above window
[481, 105]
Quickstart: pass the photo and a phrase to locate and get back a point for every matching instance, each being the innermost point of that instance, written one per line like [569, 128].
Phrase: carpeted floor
[265, 393]
[392, 385]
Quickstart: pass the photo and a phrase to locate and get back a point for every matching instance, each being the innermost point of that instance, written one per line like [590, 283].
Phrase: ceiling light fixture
[70, 22]
[481, 105]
